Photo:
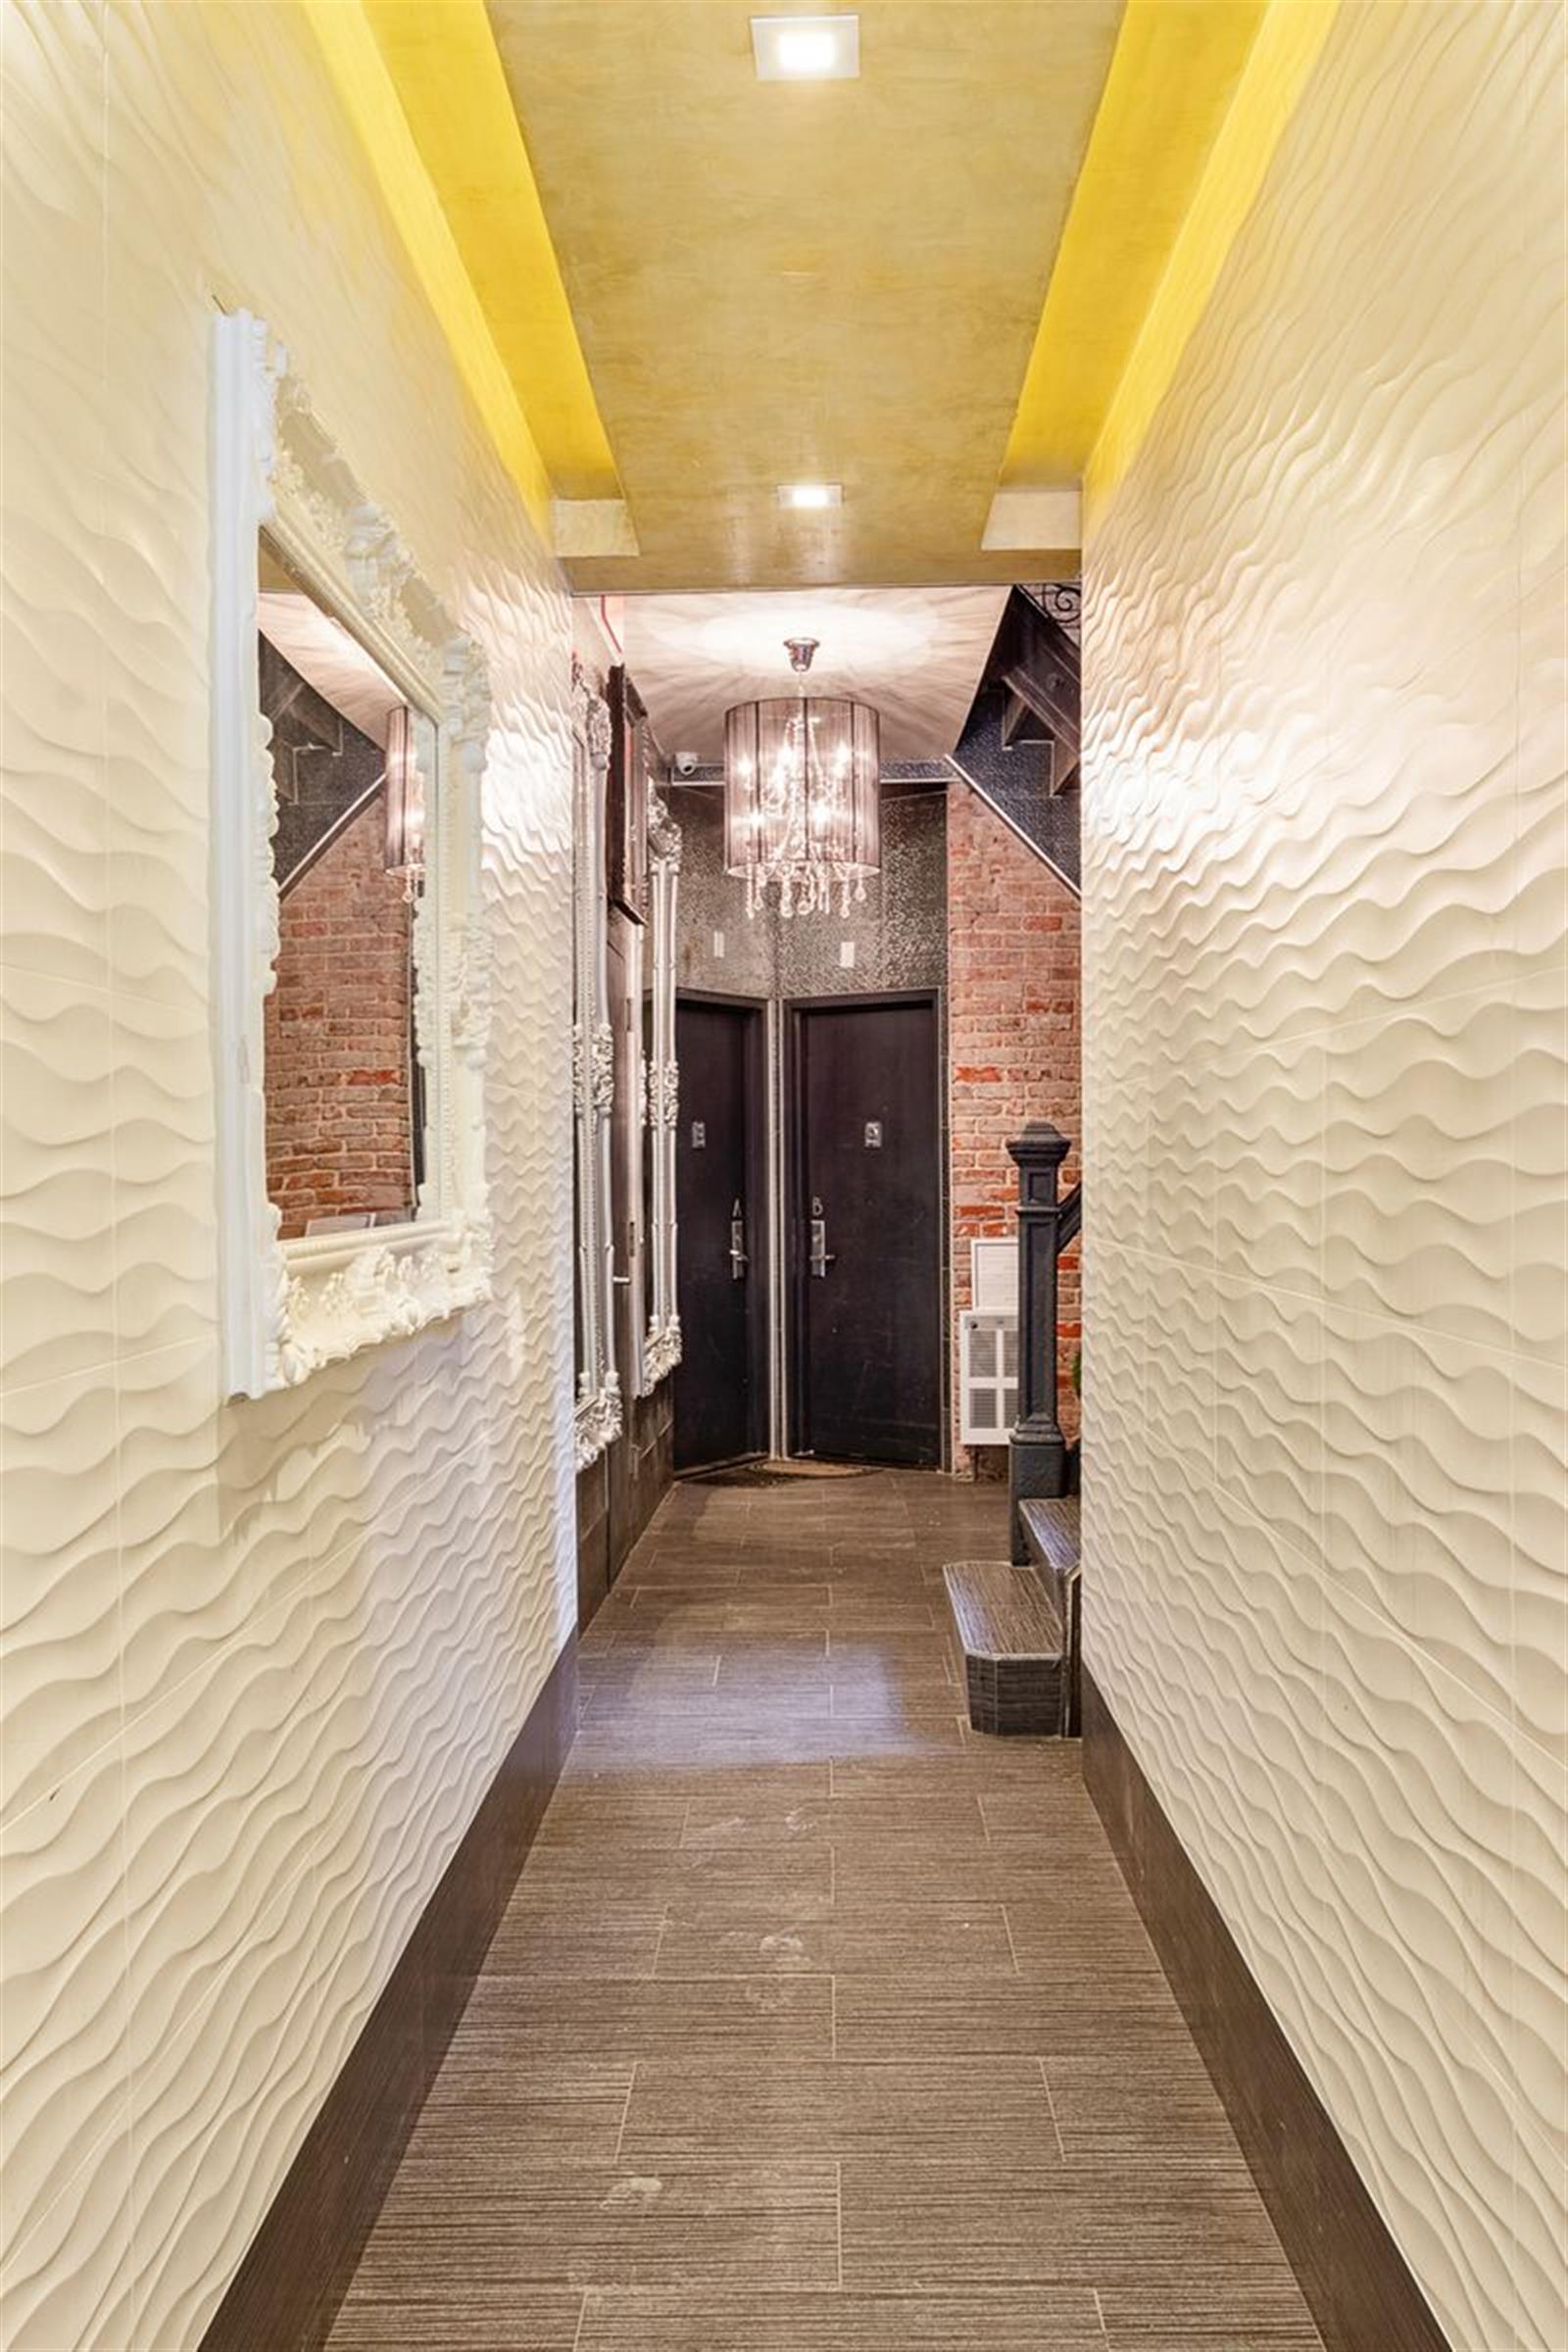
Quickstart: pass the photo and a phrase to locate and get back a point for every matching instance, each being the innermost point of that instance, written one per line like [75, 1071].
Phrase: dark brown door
[722, 1283]
[866, 1242]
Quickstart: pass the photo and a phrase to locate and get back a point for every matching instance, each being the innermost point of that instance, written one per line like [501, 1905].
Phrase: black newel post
[1039, 1456]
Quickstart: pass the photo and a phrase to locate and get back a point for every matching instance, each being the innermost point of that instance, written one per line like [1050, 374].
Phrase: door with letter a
[865, 1338]
[721, 1409]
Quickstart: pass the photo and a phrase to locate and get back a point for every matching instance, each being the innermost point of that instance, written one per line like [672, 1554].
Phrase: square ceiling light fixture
[806, 48]
[810, 496]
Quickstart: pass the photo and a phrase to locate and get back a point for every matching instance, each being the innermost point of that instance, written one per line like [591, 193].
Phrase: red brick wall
[1013, 1002]
[337, 1035]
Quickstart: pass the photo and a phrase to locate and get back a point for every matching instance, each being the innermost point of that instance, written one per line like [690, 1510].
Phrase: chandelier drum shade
[801, 801]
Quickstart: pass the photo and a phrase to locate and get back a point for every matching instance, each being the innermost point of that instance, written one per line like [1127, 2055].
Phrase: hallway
[816, 2023]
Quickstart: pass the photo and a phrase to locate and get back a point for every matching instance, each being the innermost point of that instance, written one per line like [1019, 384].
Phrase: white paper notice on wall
[847, 954]
[718, 946]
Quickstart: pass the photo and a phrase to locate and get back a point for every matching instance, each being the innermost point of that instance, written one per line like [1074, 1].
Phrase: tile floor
[818, 2023]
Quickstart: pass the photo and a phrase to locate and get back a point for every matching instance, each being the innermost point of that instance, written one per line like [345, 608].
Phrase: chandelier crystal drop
[802, 797]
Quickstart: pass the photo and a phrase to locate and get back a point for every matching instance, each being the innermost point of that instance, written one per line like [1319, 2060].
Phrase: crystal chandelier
[801, 778]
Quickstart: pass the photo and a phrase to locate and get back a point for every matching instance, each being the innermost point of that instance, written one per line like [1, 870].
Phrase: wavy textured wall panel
[256, 1663]
[1326, 1080]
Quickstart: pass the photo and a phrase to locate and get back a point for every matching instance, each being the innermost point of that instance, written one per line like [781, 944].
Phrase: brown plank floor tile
[974, 2222]
[447, 2317]
[866, 1699]
[742, 1640]
[751, 1688]
[770, 2226]
[985, 2109]
[620, 2018]
[1043, 1812]
[910, 1780]
[853, 1820]
[944, 1939]
[676, 1676]
[933, 1736]
[858, 1612]
[915, 1870]
[789, 1614]
[681, 1577]
[1230, 2311]
[923, 1680]
[781, 1784]
[539, 1941]
[1033, 2320]
[679, 1877]
[842, 1820]
[543, 2111]
[902, 2017]
[1100, 1929]
[738, 1739]
[1113, 2104]
[621, 1815]
[857, 1650]
[1069, 1854]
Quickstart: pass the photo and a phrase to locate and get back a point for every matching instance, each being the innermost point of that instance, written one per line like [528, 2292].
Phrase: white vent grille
[994, 1276]
[988, 1377]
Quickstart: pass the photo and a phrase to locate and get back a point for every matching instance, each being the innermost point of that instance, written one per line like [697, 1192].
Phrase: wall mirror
[598, 1391]
[350, 722]
[654, 1172]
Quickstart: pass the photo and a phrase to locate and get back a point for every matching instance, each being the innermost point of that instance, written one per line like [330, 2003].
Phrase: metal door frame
[790, 1416]
[761, 1154]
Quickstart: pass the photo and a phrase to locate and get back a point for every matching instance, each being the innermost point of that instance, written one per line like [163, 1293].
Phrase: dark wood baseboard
[1354, 2276]
[286, 2294]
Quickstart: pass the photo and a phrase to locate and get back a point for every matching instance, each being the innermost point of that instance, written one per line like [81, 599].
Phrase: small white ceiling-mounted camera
[687, 763]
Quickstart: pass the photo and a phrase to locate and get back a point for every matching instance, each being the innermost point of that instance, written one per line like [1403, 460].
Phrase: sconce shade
[404, 800]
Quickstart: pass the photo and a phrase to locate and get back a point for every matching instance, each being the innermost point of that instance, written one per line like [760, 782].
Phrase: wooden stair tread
[1050, 1530]
[1001, 1612]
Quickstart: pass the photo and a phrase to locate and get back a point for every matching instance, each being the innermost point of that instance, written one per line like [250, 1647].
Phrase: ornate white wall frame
[593, 1047]
[658, 1344]
[290, 1307]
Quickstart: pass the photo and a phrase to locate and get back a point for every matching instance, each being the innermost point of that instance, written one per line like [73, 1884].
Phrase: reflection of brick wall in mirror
[339, 1140]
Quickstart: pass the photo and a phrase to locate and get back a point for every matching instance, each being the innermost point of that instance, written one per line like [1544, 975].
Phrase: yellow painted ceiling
[781, 281]
[948, 277]
[443, 62]
[1174, 75]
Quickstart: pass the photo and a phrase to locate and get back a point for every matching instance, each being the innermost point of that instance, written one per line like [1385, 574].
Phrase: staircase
[1017, 1620]
[1019, 746]
[328, 774]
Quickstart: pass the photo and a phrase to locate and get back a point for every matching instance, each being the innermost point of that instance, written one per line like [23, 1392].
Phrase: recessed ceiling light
[810, 494]
[806, 48]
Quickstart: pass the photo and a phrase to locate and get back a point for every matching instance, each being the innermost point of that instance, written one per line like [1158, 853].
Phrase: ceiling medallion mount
[803, 796]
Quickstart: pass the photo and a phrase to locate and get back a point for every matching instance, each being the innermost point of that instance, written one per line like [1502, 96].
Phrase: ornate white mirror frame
[288, 1306]
[593, 1055]
[659, 1344]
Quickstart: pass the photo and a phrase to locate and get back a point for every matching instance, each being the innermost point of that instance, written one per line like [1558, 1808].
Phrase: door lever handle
[821, 1256]
[738, 1260]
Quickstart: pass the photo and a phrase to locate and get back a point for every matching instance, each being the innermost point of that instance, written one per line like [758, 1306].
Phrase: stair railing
[1048, 1222]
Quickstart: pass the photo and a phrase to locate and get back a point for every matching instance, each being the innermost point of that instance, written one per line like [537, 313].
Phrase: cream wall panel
[258, 1662]
[1326, 1081]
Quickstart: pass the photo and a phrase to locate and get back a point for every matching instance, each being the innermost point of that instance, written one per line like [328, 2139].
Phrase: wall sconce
[404, 802]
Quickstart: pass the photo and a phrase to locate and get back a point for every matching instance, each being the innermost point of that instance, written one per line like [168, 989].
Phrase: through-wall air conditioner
[988, 1377]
